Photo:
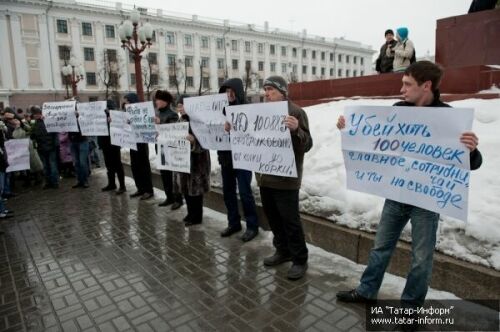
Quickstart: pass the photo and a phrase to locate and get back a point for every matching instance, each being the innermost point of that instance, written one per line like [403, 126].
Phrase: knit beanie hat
[278, 83]
[403, 33]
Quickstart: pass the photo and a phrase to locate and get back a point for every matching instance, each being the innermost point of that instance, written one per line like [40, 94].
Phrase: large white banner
[18, 154]
[92, 118]
[142, 121]
[207, 120]
[174, 150]
[260, 141]
[60, 116]
[411, 155]
[120, 132]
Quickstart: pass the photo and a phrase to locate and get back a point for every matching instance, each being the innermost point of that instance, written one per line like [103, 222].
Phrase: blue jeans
[424, 224]
[6, 184]
[49, 160]
[80, 153]
[244, 178]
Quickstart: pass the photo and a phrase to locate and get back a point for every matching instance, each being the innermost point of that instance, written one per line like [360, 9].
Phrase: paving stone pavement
[83, 260]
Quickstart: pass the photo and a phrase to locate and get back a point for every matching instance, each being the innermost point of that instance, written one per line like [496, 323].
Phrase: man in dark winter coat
[163, 102]
[385, 59]
[47, 145]
[231, 176]
[420, 88]
[139, 162]
[112, 157]
[280, 194]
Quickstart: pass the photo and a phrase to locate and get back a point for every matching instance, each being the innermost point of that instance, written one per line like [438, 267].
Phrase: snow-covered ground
[324, 190]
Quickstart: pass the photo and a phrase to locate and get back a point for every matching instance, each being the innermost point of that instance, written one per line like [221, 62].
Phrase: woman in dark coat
[195, 184]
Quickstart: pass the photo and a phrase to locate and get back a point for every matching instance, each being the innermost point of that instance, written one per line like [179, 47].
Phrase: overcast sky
[362, 20]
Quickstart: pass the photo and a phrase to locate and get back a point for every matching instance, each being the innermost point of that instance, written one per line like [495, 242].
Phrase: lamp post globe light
[74, 73]
[136, 39]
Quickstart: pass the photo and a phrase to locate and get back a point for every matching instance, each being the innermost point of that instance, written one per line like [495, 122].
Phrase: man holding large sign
[280, 193]
[420, 88]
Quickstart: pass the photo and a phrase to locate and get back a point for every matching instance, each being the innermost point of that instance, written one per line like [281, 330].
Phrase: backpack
[413, 58]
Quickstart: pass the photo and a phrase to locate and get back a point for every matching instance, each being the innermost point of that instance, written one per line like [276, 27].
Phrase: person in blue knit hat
[404, 50]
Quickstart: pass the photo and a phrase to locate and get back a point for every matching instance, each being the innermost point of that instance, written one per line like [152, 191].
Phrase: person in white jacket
[403, 52]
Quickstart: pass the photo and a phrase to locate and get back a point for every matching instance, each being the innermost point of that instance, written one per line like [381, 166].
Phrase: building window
[347, 73]
[361, 60]
[111, 55]
[220, 43]
[340, 57]
[62, 26]
[339, 73]
[153, 58]
[283, 68]
[314, 70]
[235, 64]
[261, 48]
[65, 79]
[294, 52]
[248, 64]
[273, 67]
[153, 79]
[323, 56]
[131, 57]
[304, 53]
[205, 83]
[204, 42]
[153, 37]
[86, 29]
[283, 50]
[331, 72]
[170, 38]
[88, 54]
[188, 40]
[261, 65]
[354, 73]
[90, 77]
[64, 52]
[261, 83]
[172, 81]
[220, 63]
[272, 49]
[314, 54]
[323, 71]
[354, 59]
[132, 79]
[347, 60]
[220, 80]
[189, 61]
[113, 79]
[248, 47]
[234, 45]
[304, 69]
[171, 59]
[362, 73]
[294, 69]
[110, 31]
[331, 56]
[204, 62]
[189, 81]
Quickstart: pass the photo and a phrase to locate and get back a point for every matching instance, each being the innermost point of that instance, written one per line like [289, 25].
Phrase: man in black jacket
[163, 102]
[420, 88]
[384, 61]
[231, 176]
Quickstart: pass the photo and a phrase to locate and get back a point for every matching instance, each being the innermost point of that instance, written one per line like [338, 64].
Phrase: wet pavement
[83, 260]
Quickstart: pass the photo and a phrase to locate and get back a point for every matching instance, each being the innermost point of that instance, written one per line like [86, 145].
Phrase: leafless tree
[110, 70]
[149, 66]
[203, 70]
[249, 78]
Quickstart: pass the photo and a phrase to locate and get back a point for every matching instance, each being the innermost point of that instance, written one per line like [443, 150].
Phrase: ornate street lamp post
[74, 73]
[135, 39]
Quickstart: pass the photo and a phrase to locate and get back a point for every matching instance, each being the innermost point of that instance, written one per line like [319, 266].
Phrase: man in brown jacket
[280, 195]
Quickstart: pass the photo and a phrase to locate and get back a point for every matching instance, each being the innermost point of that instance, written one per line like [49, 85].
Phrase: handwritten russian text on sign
[260, 141]
[92, 118]
[411, 155]
[18, 154]
[207, 120]
[142, 121]
[174, 150]
[60, 116]
[120, 132]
